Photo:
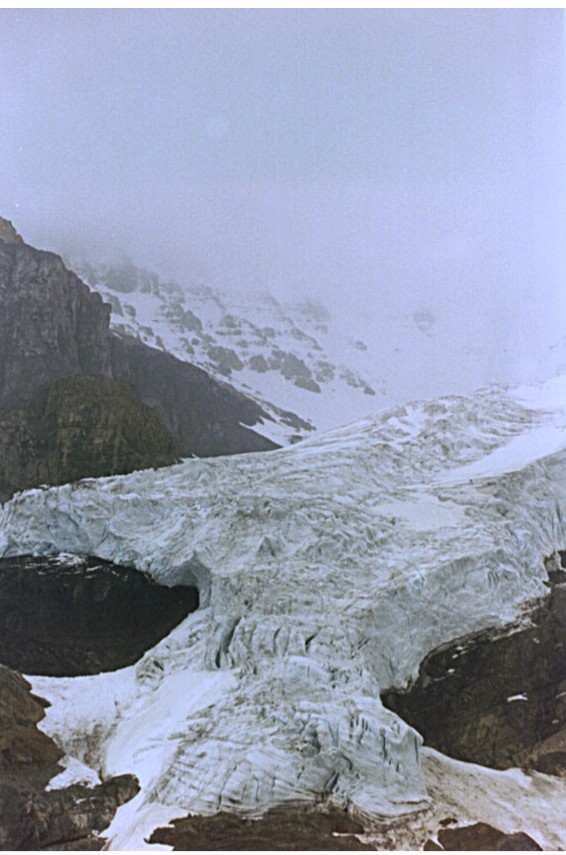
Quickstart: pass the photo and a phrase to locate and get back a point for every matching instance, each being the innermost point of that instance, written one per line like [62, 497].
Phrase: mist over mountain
[311, 234]
[384, 160]
[305, 362]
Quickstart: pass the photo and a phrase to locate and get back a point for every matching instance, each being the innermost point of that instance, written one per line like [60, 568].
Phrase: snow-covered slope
[327, 571]
[312, 365]
[301, 367]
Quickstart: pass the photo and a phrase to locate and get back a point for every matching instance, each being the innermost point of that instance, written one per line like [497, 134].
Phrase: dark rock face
[205, 417]
[30, 816]
[51, 324]
[79, 425]
[23, 748]
[61, 818]
[497, 697]
[482, 837]
[70, 615]
[283, 828]
[54, 330]
[8, 233]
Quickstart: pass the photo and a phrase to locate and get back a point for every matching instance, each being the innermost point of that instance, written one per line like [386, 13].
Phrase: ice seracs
[332, 568]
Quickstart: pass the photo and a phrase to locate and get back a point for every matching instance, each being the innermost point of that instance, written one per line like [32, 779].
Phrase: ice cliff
[327, 571]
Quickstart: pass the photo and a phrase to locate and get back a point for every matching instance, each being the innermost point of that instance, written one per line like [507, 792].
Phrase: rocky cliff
[77, 426]
[207, 418]
[32, 817]
[496, 697]
[51, 323]
[76, 400]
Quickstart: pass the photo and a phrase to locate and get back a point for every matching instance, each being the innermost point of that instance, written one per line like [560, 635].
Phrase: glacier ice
[328, 570]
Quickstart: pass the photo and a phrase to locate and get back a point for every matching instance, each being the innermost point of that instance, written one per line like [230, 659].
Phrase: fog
[378, 159]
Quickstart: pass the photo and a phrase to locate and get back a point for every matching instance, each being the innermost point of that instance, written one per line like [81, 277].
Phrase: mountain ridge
[320, 361]
[53, 327]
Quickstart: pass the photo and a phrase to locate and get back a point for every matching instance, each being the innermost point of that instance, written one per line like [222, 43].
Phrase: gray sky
[375, 156]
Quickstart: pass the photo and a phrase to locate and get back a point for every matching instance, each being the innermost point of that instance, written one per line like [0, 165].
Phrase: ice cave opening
[68, 615]
[498, 697]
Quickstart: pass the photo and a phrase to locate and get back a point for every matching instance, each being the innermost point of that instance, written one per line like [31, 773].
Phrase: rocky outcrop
[55, 427]
[497, 697]
[70, 818]
[8, 233]
[31, 816]
[51, 324]
[68, 615]
[482, 837]
[78, 426]
[205, 417]
[24, 748]
[292, 828]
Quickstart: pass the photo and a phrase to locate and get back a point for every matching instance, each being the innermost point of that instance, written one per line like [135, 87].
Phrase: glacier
[327, 571]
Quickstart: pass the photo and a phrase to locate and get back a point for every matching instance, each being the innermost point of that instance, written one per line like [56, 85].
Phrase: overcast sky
[374, 156]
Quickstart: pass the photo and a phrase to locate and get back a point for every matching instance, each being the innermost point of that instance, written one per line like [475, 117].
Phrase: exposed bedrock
[483, 838]
[497, 697]
[69, 615]
[206, 418]
[32, 817]
[289, 827]
[70, 818]
[24, 748]
[77, 426]
[300, 827]
[51, 325]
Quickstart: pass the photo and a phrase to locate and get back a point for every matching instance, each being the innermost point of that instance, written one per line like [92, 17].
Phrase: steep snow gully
[327, 572]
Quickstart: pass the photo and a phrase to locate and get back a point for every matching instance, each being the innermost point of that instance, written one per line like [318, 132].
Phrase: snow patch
[509, 800]
[423, 513]
[74, 772]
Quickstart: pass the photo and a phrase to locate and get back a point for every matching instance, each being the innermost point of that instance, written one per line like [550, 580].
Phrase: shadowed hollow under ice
[327, 571]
